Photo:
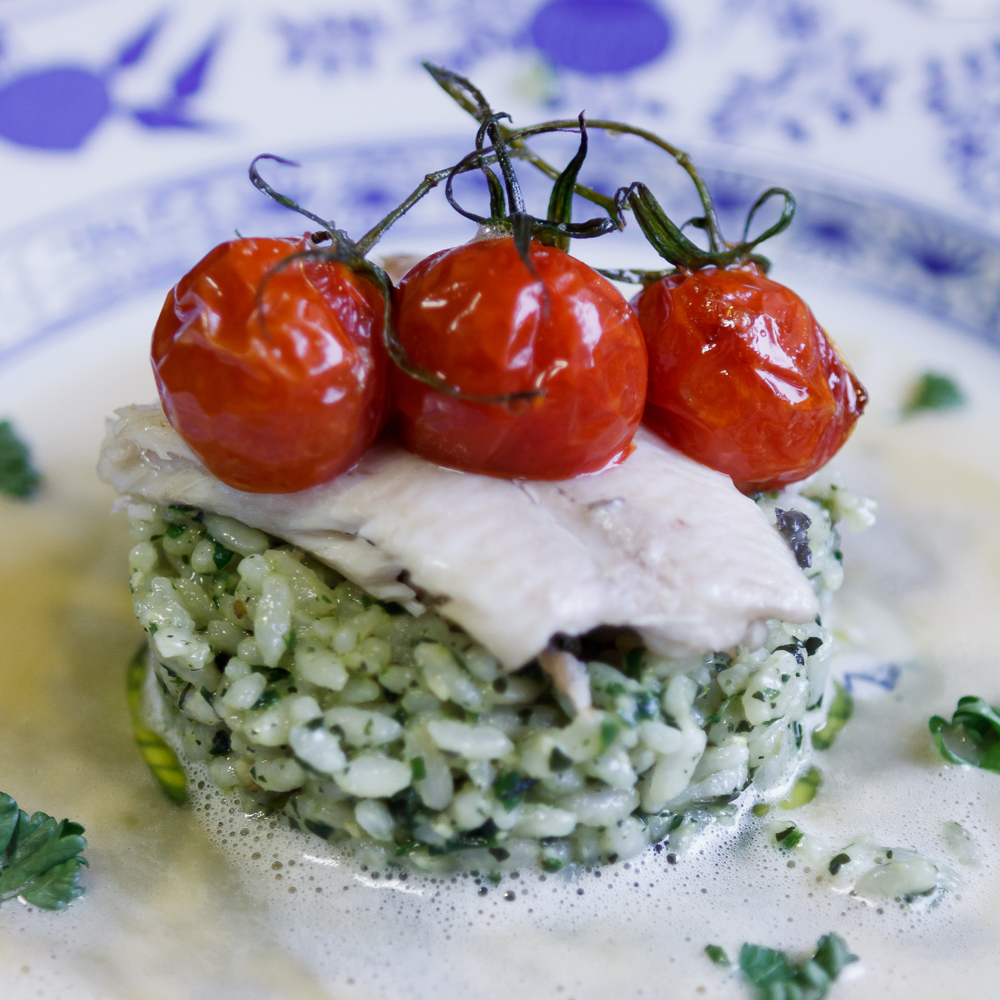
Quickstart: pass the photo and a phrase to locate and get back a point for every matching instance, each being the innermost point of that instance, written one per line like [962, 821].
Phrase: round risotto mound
[359, 722]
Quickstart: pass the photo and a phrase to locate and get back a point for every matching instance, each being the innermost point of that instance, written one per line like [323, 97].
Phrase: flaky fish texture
[659, 543]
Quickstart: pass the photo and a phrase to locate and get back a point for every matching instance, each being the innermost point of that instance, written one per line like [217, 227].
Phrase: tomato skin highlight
[284, 409]
[742, 378]
[477, 317]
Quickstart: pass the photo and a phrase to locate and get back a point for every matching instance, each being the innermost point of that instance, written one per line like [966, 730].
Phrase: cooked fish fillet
[659, 543]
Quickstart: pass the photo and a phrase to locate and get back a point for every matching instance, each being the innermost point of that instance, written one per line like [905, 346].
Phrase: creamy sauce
[177, 904]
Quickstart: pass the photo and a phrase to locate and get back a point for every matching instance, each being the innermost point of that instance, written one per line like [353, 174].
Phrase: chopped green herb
[154, 750]
[289, 639]
[511, 787]
[972, 736]
[761, 809]
[221, 744]
[559, 761]
[608, 733]
[418, 768]
[716, 954]
[323, 830]
[552, 864]
[268, 697]
[500, 853]
[40, 858]
[933, 391]
[646, 705]
[777, 977]
[273, 673]
[720, 661]
[716, 716]
[482, 836]
[840, 711]
[790, 837]
[17, 476]
[221, 555]
[804, 790]
[633, 663]
[838, 862]
[796, 728]
[176, 530]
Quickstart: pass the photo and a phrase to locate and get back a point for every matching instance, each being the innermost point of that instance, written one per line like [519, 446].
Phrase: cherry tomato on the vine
[476, 316]
[279, 405]
[743, 378]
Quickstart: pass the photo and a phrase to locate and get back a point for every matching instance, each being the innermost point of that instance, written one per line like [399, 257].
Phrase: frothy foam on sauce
[584, 931]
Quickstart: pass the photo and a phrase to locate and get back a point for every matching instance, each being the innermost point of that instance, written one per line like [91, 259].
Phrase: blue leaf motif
[172, 111]
[134, 50]
[191, 79]
[962, 93]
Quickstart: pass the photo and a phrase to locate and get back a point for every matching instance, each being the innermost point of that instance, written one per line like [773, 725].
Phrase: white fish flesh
[659, 543]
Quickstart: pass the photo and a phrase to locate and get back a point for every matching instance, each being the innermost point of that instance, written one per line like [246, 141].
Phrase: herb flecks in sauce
[933, 391]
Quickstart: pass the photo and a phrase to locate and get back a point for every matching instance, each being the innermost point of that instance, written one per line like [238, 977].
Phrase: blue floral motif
[118, 247]
[59, 107]
[330, 44]
[465, 31]
[964, 94]
[601, 36]
[821, 71]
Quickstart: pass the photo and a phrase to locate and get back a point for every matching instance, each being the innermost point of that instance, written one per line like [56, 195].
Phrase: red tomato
[743, 378]
[281, 409]
[478, 318]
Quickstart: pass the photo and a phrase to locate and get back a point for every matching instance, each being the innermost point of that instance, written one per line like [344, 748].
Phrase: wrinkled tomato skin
[476, 316]
[284, 409]
[742, 377]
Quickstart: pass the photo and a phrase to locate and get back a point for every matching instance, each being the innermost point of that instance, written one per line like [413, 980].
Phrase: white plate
[177, 907]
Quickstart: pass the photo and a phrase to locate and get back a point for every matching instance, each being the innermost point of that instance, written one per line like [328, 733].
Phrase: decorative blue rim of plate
[68, 268]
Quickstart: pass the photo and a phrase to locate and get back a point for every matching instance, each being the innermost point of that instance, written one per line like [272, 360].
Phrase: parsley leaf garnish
[933, 391]
[972, 736]
[17, 476]
[777, 977]
[40, 857]
[840, 711]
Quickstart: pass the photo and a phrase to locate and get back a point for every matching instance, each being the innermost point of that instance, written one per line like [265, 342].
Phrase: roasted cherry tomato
[476, 316]
[277, 406]
[743, 378]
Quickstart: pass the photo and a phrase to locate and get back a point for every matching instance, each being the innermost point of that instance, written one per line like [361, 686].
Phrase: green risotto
[359, 722]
